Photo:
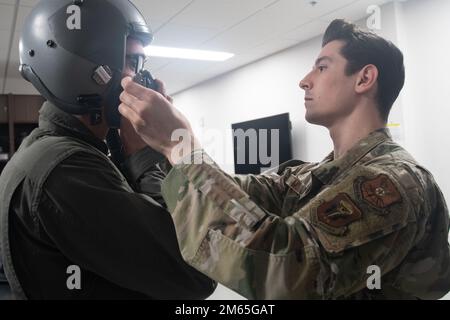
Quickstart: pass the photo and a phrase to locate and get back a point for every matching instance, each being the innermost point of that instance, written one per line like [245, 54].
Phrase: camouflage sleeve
[268, 189]
[322, 251]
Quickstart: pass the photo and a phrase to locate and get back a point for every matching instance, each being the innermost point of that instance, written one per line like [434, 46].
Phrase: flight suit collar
[55, 120]
[330, 168]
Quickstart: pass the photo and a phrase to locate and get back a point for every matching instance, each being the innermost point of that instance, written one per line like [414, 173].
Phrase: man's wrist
[177, 153]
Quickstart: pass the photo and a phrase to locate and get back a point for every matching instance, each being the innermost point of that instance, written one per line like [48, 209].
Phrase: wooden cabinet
[3, 109]
[26, 108]
[19, 115]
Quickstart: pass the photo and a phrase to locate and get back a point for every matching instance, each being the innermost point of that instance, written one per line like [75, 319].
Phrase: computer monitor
[261, 144]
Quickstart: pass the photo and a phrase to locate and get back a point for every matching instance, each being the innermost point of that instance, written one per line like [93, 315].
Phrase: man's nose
[305, 83]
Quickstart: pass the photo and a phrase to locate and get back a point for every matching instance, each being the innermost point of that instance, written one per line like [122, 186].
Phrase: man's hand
[162, 90]
[131, 141]
[154, 118]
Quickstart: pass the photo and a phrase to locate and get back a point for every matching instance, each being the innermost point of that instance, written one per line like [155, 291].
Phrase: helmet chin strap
[112, 102]
[115, 147]
[93, 104]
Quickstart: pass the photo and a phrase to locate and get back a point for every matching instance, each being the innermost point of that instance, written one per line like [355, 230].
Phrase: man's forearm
[144, 171]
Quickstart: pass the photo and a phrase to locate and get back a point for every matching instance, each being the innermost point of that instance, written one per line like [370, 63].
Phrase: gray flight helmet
[74, 51]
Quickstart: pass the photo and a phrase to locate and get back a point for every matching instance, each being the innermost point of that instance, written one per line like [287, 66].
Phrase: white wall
[426, 27]
[270, 86]
[424, 30]
[261, 89]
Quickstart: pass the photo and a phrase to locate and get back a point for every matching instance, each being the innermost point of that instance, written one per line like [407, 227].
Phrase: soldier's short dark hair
[363, 48]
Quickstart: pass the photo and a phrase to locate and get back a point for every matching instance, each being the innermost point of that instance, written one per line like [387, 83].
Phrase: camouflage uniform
[311, 230]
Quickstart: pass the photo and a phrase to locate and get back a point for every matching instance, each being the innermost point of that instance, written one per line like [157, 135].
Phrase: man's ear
[366, 79]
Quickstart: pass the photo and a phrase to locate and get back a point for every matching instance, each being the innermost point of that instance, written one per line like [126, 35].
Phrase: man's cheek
[128, 73]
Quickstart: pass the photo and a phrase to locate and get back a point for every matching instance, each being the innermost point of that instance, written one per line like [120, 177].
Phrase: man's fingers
[132, 116]
[169, 98]
[162, 90]
[161, 87]
[134, 88]
[130, 100]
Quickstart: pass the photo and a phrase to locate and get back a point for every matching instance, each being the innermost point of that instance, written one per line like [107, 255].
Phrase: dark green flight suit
[63, 203]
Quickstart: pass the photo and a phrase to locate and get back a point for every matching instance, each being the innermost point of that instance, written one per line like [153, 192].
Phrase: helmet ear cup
[24, 72]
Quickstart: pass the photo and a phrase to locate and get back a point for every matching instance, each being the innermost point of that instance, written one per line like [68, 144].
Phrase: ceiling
[251, 29]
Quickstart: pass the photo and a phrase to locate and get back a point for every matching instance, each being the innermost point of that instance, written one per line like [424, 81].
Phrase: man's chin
[312, 119]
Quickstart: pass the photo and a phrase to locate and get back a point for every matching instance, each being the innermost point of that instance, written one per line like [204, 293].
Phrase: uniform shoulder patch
[338, 212]
[364, 205]
[379, 192]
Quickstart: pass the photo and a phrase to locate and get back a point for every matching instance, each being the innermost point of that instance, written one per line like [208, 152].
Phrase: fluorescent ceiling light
[179, 53]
